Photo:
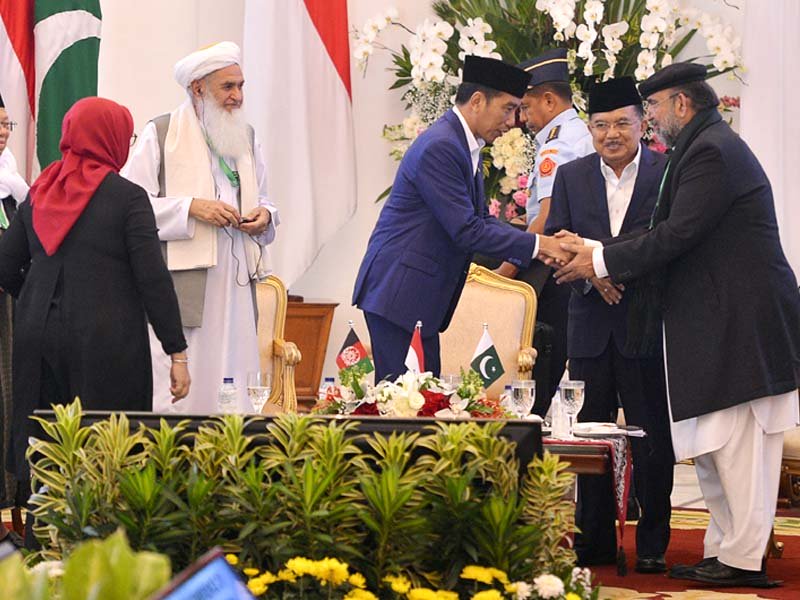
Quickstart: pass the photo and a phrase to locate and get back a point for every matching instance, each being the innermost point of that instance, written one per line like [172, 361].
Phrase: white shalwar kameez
[226, 344]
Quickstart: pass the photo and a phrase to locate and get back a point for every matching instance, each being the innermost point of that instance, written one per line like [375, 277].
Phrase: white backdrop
[142, 40]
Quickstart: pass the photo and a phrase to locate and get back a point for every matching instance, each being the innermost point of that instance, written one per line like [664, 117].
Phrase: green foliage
[106, 569]
[422, 505]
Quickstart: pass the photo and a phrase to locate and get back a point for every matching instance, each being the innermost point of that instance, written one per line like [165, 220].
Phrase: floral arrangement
[410, 395]
[604, 39]
[331, 578]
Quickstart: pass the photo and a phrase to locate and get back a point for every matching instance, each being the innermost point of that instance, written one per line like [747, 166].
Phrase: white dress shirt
[619, 190]
[475, 145]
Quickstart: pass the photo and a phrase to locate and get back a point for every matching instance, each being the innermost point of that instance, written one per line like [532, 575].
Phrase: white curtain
[770, 107]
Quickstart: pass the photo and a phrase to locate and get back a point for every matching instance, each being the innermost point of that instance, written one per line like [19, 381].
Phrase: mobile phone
[247, 220]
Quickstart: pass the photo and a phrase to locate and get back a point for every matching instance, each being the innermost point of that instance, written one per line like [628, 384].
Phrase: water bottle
[558, 417]
[505, 399]
[228, 398]
[323, 388]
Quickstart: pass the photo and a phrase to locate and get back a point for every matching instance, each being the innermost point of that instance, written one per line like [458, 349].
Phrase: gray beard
[226, 131]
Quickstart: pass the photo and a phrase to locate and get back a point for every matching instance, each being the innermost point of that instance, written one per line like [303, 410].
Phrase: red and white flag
[415, 359]
[297, 66]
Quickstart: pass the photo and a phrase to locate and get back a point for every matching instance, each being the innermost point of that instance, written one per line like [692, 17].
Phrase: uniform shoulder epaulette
[553, 135]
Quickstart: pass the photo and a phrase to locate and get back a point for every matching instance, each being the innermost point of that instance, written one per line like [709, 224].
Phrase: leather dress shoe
[676, 571]
[651, 564]
[721, 575]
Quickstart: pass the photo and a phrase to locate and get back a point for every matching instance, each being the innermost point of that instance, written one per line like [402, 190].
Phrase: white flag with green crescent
[485, 360]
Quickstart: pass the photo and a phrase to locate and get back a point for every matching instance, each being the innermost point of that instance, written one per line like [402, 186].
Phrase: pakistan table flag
[485, 360]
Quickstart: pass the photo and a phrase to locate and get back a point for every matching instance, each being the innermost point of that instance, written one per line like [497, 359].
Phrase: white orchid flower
[615, 30]
[391, 14]
[588, 68]
[653, 23]
[363, 51]
[593, 11]
[666, 60]
[648, 40]
[443, 29]
[725, 60]
[585, 33]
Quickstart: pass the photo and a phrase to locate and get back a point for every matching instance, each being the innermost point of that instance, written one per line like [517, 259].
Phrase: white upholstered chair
[277, 356]
[509, 308]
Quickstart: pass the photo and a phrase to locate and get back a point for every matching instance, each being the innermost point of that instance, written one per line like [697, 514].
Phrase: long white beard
[226, 131]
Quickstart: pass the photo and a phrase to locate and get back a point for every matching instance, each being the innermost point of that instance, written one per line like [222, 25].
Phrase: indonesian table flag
[48, 61]
[485, 359]
[297, 63]
[415, 359]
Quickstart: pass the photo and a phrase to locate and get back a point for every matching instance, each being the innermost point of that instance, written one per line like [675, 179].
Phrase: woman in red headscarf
[82, 257]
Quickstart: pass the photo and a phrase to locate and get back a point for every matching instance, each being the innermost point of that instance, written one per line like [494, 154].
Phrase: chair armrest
[526, 359]
[286, 350]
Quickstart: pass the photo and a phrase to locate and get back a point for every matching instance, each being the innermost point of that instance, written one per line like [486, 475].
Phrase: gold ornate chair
[509, 307]
[277, 356]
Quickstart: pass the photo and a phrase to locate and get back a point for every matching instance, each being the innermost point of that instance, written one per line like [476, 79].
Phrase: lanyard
[233, 176]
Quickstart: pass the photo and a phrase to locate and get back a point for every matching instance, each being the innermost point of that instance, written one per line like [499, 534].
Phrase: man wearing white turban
[204, 171]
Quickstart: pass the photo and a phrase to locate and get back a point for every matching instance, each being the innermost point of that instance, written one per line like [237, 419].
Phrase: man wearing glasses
[712, 273]
[13, 188]
[603, 196]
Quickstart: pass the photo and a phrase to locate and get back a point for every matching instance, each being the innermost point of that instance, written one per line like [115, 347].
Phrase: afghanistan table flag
[353, 353]
[485, 360]
[415, 359]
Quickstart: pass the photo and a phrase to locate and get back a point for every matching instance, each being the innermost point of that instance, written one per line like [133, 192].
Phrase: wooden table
[583, 460]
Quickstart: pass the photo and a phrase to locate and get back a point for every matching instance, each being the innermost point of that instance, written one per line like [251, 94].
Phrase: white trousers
[739, 482]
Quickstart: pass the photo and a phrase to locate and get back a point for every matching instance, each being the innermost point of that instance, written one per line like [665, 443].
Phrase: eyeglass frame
[134, 137]
[10, 125]
[622, 126]
[651, 104]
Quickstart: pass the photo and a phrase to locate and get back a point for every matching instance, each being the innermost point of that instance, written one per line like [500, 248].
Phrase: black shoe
[721, 575]
[651, 564]
[676, 571]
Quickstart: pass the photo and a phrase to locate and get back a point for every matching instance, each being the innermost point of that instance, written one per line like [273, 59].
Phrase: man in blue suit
[608, 196]
[436, 217]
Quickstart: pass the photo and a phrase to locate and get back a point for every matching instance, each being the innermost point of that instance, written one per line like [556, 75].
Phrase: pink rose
[494, 207]
[522, 182]
[511, 211]
[520, 197]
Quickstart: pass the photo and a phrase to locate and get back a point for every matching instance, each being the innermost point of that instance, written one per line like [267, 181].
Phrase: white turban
[199, 64]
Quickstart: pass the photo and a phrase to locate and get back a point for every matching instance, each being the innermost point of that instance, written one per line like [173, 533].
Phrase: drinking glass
[523, 393]
[572, 401]
[259, 387]
[451, 382]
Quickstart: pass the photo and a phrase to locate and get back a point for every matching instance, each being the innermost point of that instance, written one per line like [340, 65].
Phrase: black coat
[108, 277]
[579, 204]
[732, 309]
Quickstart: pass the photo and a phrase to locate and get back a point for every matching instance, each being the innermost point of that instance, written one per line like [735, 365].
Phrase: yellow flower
[287, 575]
[301, 566]
[572, 596]
[256, 587]
[488, 595]
[332, 571]
[422, 594]
[232, 559]
[445, 595]
[499, 575]
[400, 585]
[357, 580]
[250, 572]
[267, 578]
[477, 573]
[358, 594]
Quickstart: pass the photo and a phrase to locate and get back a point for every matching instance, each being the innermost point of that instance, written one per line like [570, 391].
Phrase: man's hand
[568, 237]
[610, 292]
[256, 221]
[552, 252]
[507, 270]
[214, 212]
[179, 378]
[580, 267]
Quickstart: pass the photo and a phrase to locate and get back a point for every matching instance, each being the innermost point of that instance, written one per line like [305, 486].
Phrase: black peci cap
[548, 66]
[613, 94]
[495, 74]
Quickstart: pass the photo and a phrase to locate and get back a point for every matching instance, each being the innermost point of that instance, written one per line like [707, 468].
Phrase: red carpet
[686, 547]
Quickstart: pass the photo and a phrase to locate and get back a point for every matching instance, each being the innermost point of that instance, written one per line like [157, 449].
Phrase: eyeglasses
[622, 126]
[651, 104]
[134, 137]
[10, 125]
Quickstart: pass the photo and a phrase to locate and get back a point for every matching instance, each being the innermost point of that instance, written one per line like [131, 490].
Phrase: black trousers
[390, 346]
[639, 385]
[552, 309]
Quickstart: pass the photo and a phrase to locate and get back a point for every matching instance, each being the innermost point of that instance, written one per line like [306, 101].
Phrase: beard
[669, 130]
[227, 131]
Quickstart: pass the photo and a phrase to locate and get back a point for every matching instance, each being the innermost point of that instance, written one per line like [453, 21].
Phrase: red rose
[367, 408]
[434, 402]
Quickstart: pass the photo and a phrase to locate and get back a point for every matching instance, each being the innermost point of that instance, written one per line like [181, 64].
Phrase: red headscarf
[95, 139]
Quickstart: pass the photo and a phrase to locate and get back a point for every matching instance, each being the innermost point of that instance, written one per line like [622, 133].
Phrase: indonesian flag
[48, 61]
[297, 65]
[353, 353]
[415, 359]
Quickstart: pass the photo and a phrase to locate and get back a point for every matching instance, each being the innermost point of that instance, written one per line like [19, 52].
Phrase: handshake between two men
[573, 259]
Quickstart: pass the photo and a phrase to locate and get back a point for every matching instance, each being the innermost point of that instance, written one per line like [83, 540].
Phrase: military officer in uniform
[561, 136]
